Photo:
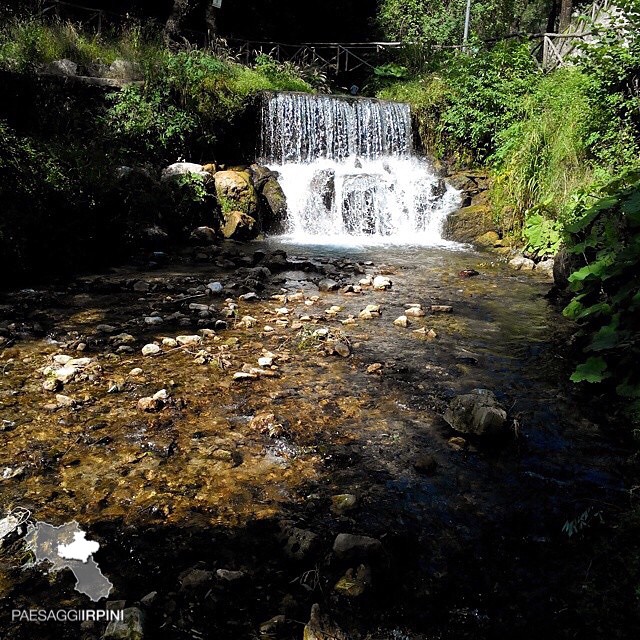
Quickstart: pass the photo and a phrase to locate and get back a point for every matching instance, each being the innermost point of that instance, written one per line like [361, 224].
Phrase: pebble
[106, 328]
[414, 311]
[65, 401]
[348, 546]
[244, 375]
[457, 443]
[150, 404]
[402, 321]
[136, 372]
[376, 367]
[150, 349]
[370, 311]
[141, 286]
[343, 503]
[53, 384]
[429, 334]
[354, 582]
[169, 342]
[381, 283]
[441, 308]
[188, 341]
[247, 322]
[215, 288]
[265, 361]
[249, 297]
[153, 320]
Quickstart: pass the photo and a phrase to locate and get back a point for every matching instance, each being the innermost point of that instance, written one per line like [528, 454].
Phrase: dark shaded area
[273, 20]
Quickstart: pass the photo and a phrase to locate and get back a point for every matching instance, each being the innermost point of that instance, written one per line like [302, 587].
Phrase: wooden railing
[550, 50]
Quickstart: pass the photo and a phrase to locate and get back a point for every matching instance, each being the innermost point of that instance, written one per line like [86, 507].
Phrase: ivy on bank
[606, 287]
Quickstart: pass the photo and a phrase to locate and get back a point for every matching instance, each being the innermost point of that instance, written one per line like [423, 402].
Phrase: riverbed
[266, 424]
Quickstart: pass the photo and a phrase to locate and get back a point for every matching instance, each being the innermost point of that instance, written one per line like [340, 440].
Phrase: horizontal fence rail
[550, 50]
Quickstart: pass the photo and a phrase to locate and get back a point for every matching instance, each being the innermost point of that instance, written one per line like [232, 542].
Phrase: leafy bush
[606, 288]
[543, 157]
[187, 98]
[467, 99]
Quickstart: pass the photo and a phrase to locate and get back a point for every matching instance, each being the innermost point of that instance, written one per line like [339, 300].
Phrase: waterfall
[348, 171]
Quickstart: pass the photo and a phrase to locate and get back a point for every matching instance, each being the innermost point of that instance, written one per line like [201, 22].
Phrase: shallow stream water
[474, 544]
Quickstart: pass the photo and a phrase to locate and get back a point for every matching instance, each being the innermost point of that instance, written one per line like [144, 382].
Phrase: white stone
[150, 349]
[188, 341]
[380, 283]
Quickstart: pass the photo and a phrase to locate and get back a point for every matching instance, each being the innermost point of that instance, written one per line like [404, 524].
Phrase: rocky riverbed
[251, 430]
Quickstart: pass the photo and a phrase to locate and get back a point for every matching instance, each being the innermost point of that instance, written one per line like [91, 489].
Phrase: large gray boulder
[478, 413]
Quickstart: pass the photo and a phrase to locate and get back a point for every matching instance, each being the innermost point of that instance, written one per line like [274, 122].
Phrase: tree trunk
[566, 8]
[554, 10]
[175, 22]
[210, 17]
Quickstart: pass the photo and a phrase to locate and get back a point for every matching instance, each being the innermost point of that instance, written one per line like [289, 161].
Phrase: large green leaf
[593, 370]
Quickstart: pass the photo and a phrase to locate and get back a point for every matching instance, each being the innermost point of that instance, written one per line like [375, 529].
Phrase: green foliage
[187, 96]
[542, 235]
[442, 23]
[26, 43]
[392, 70]
[463, 103]
[541, 158]
[606, 288]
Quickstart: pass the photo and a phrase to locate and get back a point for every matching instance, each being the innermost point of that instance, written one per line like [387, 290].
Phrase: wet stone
[195, 578]
[343, 503]
[347, 546]
[298, 543]
[327, 284]
[355, 582]
[425, 464]
[478, 413]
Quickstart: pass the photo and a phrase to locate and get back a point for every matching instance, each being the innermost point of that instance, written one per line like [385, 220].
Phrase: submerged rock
[478, 413]
[298, 543]
[355, 582]
[347, 546]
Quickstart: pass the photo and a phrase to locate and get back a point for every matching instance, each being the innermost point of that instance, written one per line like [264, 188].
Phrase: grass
[25, 43]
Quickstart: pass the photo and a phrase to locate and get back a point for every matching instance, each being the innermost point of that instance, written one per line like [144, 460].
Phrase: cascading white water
[347, 169]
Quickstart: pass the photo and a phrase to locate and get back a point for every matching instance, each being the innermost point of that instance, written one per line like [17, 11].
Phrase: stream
[217, 505]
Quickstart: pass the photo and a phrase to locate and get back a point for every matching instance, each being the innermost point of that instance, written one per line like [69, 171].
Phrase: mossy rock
[469, 223]
[489, 239]
[274, 206]
[235, 192]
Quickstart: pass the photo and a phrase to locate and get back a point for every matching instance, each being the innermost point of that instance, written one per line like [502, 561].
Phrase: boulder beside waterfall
[229, 202]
